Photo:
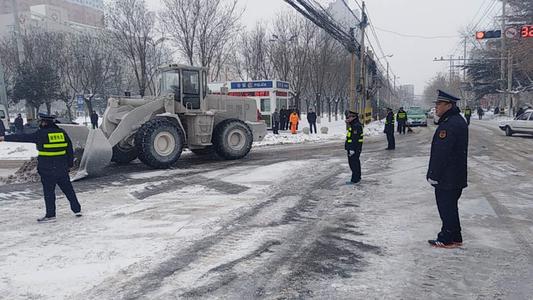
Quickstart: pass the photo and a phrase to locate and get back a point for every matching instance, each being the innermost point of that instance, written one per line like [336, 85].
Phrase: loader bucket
[96, 155]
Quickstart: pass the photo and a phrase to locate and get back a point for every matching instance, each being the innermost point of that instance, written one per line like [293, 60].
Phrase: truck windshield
[170, 82]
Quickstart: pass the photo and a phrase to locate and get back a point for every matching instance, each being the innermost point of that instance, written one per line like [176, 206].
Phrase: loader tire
[159, 143]
[123, 155]
[232, 139]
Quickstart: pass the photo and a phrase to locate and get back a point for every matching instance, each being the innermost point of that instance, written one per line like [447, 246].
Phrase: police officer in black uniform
[389, 130]
[54, 161]
[354, 145]
[447, 171]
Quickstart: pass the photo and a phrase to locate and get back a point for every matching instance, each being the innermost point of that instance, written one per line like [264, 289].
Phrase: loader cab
[188, 84]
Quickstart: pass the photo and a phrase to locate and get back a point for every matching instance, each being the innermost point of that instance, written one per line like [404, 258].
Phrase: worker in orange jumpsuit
[294, 119]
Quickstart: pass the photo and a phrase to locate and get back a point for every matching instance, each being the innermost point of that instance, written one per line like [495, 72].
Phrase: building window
[265, 105]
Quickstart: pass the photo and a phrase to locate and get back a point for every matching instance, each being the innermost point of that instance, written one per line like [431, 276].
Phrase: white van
[4, 117]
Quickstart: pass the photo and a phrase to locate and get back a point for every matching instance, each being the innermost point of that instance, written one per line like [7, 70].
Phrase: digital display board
[282, 85]
[250, 94]
[526, 31]
[252, 85]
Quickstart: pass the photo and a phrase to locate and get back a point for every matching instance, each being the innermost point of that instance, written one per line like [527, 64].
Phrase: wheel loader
[156, 129]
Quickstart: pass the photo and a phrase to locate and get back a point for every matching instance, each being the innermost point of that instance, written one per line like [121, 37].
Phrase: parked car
[416, 116]
[521, 124]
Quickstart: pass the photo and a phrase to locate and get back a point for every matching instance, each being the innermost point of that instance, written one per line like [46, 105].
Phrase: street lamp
[396, 92]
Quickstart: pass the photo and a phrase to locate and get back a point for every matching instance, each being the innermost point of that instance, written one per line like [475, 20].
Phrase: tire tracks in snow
[313, 223]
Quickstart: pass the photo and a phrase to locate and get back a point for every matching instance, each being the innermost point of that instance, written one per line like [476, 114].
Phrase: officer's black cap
[443, 96]
[47, 117]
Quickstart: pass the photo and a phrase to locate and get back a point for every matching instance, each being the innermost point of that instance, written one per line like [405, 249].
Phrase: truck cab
[187, 84]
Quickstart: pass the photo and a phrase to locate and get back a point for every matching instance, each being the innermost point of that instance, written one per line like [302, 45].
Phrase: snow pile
[26, 173]
[17, 151]
[336, 131]
[375, 128]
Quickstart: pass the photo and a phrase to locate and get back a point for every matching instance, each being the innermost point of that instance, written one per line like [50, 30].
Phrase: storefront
[269, 95]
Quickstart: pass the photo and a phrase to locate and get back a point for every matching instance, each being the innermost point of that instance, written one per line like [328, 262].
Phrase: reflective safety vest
[392, 121]
[349, 135]
[402, 116]
[56, 146]
[468, 112]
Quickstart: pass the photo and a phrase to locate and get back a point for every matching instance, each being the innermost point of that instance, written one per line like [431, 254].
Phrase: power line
[418, 36]
[477, 13]
[487, 11]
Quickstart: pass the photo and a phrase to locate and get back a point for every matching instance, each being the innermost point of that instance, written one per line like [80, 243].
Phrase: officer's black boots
[447, 239]
[46, 219]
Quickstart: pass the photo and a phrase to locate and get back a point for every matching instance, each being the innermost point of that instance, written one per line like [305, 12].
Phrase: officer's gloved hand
[432, 182]
[351, 153]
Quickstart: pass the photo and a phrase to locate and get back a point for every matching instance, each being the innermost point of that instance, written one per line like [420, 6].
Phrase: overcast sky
[412, 58]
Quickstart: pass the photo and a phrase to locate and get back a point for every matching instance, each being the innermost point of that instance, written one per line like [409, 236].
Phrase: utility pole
[389, 93]
[503, 97]
[3, 94]
[512, 105]
[362, 68]
[451, 68]
[16, 24]
[352, 101]
[464, 59]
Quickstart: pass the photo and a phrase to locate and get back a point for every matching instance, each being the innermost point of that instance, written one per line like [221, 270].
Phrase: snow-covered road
[279, 224]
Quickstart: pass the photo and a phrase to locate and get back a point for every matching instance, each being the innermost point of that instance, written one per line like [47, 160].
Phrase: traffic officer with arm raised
[56, 157]
[354, 145]
[447, 171]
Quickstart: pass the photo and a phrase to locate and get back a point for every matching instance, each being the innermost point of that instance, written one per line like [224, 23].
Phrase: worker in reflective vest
[53, 164]
[468, 114]
[294, 119]
[401, 118]
[354, 145]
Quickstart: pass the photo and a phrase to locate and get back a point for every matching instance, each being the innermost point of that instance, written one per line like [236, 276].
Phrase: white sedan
[521, 124]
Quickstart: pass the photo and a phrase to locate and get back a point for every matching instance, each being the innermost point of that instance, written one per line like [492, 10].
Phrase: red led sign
[527, 31]
[250, 94]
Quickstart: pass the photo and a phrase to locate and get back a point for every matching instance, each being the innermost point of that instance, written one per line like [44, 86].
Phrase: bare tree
[9, 60]
[180, 20]
[158, 55]
[321, 57]
[36, 80]
[201, 29]
[251, 60]
[90, 66]
[132, 27]
[291, 52]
